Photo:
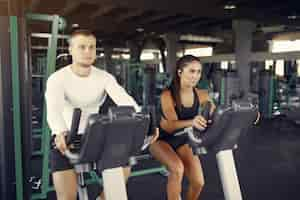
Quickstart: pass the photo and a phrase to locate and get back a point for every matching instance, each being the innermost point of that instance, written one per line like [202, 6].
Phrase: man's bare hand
[60, 142]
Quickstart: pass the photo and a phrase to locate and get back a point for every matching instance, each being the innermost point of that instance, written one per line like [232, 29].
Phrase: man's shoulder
[97, 70]
[59, 74]
[101, 72]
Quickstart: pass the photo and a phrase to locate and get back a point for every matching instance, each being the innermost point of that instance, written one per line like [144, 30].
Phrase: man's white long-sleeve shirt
[65, 91]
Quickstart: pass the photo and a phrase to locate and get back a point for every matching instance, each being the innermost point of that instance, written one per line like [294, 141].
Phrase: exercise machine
[109, 143]
[221, 137]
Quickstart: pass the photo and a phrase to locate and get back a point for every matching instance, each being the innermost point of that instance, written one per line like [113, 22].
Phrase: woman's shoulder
[166, 91]
[166, 94]
[202, 94]
[166, 97]
[201, 91]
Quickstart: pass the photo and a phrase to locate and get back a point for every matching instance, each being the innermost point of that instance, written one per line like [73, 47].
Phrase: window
[278, 46]
[268, 64]
[198, 52]
[279, 68]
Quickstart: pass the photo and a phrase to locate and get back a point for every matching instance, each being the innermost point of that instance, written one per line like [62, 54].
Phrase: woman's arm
[169, 120]
[172, 125]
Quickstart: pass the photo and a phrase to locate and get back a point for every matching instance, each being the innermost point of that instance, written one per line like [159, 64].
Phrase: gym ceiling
[120, 20]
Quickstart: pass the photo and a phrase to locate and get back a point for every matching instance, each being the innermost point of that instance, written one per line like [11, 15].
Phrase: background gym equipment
[42, 133]
[277, 92]
[16, 77]
[144, 82]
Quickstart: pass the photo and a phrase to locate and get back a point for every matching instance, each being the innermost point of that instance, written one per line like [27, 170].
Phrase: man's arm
[55, 104]
[121, 97]
[118, 93]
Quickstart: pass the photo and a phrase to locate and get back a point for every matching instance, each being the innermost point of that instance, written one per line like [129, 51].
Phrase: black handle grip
[74, 125]
[153, 119]
[206, 110]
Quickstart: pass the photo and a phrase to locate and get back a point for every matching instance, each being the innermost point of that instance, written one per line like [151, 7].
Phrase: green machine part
[16, 106]
[57, 23]
[134, 80]
[267, 93]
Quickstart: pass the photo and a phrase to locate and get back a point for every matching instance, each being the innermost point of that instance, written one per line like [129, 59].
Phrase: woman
[179, 106]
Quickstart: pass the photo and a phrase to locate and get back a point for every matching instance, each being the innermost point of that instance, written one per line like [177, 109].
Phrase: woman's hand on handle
[155, 135]
[199, 122]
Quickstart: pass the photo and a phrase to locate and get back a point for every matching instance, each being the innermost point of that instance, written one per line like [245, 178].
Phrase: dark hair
[84, 32]
[175, 84]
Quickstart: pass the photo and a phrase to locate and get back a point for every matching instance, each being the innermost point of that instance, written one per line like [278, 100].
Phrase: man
[82, 85]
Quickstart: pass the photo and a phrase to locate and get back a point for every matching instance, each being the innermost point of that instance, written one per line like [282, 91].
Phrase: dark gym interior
[139, 41]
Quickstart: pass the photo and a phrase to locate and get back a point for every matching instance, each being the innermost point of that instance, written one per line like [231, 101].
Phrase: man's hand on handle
[60, 142]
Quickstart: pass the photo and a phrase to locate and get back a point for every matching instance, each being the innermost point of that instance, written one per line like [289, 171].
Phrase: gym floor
[267, 161]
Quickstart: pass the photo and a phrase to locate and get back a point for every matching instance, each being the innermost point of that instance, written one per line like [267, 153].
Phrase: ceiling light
[139, 29]
[75, 25]
[292, 17]
[229, 6]
[196, 38]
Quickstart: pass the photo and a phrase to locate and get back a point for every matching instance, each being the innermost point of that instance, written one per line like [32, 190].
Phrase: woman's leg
[193, 171]
[164, 153]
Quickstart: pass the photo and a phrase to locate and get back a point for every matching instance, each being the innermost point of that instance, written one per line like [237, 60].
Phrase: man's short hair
[84, 32]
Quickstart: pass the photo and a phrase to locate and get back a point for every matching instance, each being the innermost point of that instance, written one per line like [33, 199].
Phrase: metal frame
[16, 105]
[51, 63]
[228, 175]
[271, 97]
[7, 162]
[222, 95]
[255, 56]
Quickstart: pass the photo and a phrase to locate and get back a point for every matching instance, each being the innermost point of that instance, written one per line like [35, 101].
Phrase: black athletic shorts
[58, 162]
[175, 141]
